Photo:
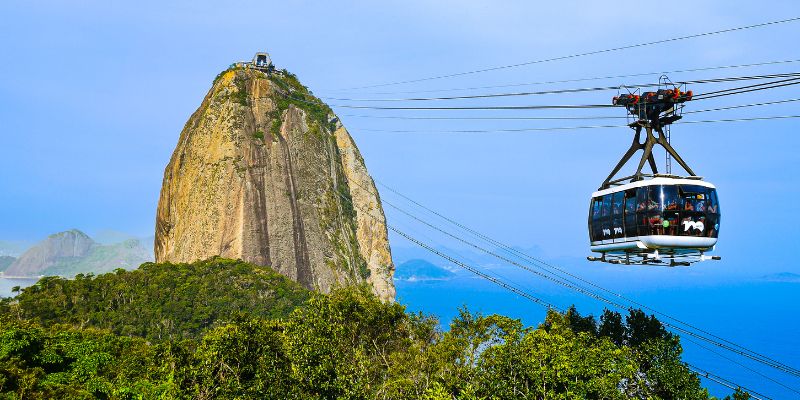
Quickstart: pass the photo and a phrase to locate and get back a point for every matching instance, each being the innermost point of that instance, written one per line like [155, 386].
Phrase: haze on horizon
[95, 95]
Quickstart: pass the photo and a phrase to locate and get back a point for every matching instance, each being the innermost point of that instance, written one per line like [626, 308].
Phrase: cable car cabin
[663, 217]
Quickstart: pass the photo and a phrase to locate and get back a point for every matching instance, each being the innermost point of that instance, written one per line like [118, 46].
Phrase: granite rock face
[264, 172]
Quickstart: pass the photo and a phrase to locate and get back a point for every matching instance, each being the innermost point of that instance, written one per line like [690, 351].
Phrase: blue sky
[95, 93]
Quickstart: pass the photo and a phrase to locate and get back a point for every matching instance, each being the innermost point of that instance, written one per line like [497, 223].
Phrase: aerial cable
[531, 107]
[741, 106]
[742, 365]
[477, 118]
[705, 97]
[738, 349]
[530, 258]
[571, 285]
[644, 44]
[475, 271]
[566, 128]
[596, 78]
[572, 90]
[718, 93]
[756, 85]
[740, 119]
[427, 118]
[727, 383]
[494, 280]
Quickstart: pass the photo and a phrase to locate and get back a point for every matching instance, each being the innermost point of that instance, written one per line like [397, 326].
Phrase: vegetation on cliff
[344, 345]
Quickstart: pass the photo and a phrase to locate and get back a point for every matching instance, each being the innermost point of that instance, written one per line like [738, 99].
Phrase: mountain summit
[265, 172]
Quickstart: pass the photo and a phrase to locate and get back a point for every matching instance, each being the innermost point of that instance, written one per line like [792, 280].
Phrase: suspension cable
[532, 107]
[741, 106]
[497, 281]
[597, 117]
[588, 53]
[794, 80]
[571, 90]
[595, 78]
[731, 347]
[761, 86]
[727, 383]
[562, 128]
[741, 365]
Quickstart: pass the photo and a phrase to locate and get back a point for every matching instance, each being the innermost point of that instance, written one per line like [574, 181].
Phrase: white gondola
[663, 219]
[654, 218]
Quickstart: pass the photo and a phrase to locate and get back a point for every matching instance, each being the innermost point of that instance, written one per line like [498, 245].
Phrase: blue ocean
[759, 314]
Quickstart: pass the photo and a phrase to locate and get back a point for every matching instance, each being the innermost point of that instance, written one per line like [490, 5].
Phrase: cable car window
[651, 198]
[713, 205]
[655, 224]
[645, 198]
[606, 210]
[694, 198]
[712, 228]
[597, 205]
[669, 197]
[669, 223]
[630, 202]
[617, 203]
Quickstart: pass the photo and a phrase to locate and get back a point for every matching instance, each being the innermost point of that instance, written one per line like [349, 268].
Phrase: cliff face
[264, 172]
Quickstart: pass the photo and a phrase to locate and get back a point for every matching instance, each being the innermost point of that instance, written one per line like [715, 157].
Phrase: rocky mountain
[265, 172]
[72, 252]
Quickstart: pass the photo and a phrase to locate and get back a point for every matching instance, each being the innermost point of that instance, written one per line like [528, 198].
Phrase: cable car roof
[659, 180]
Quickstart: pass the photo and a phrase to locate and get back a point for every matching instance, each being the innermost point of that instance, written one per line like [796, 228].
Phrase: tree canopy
[301, 345]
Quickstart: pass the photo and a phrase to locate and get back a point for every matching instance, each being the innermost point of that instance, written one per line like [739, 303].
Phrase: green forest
[225, 329]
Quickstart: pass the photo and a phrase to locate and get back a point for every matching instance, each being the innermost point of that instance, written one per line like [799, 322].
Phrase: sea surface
[759, 315]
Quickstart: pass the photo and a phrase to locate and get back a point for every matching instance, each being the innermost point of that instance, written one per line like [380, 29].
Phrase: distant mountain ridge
[421, 270]
[782, 277]
[72, 252]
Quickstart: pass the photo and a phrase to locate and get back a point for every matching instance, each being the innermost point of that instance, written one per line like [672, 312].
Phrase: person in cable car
[701, 206]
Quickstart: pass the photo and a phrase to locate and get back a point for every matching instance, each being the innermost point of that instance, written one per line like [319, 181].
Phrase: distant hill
[5, 262]
[73, 252]
[782, 277]
[421, 270]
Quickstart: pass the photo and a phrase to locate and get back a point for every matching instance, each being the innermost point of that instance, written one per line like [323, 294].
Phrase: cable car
[663, 217]
[654, 218]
